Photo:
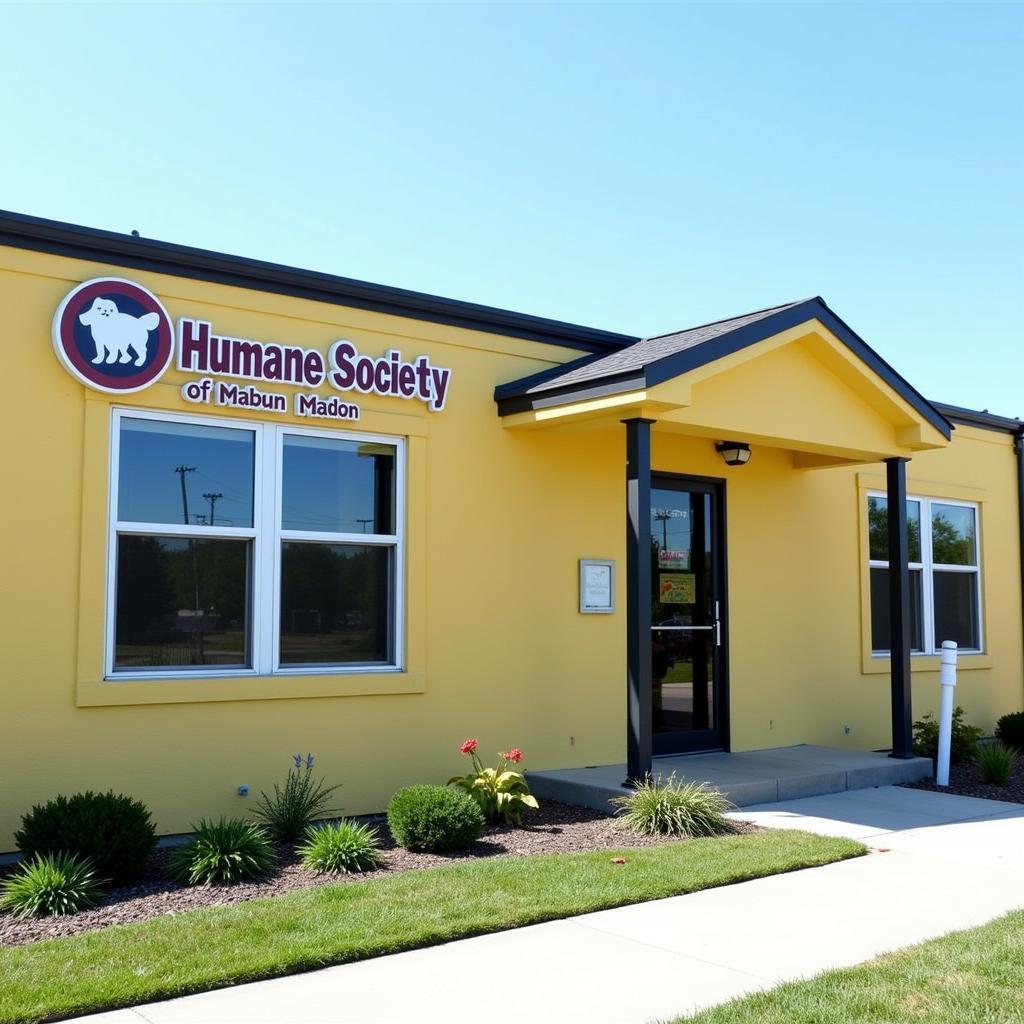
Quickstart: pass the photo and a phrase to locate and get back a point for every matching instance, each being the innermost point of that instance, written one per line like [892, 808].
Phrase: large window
[945, 573]
[252, 548]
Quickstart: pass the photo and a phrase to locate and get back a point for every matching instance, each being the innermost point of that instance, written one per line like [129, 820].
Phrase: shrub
[346, 846]
[114, 832]
[437, 819]
[1010, 729]
[963, 740]
[293, 808]
[667, 807]
[224, 852]
[50, 884]
[996, 761]
[500, 792]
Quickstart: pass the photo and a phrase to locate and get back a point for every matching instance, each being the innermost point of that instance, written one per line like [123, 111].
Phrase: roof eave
[56, 237]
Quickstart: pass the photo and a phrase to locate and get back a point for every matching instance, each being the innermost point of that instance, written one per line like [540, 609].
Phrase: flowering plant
[500, 792]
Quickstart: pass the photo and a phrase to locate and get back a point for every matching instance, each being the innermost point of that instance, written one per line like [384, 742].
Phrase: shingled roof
[653, 360]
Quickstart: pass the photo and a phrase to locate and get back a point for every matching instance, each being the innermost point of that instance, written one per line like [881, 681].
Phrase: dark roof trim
[23, 232]
[515, 397]
[984, 419]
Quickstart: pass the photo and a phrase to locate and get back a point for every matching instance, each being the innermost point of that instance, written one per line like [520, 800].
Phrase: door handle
[658, 629]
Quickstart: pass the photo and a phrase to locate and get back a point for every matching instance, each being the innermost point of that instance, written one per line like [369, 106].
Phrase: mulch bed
[555, 828]
[965, 780]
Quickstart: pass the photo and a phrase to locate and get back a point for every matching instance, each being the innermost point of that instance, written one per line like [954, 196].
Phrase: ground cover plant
[501, 792]
[50, 884]
[969, 977]
[673, 808]
[996, 762]
[224, 852]
[337, 923]
[437, 819]
[115, 832]
[293, 807]
[345, 846]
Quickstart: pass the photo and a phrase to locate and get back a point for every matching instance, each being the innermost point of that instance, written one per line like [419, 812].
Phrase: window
[252, 548]
[945, 573]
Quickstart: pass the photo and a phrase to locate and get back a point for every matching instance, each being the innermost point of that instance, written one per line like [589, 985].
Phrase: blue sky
[634, 167]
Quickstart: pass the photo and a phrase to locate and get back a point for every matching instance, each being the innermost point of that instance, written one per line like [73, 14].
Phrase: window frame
[266, 536]
[928, 567]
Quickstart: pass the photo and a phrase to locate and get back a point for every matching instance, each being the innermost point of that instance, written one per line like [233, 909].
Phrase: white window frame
[266, 535]
[928, 568]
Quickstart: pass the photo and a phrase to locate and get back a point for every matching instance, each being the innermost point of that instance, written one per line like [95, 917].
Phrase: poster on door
[677, 588]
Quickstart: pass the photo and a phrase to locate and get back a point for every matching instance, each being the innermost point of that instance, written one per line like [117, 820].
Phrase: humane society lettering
[115, 336]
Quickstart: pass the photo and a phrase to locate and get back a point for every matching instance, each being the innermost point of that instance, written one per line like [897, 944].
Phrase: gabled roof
[35, 233]
[653, 360]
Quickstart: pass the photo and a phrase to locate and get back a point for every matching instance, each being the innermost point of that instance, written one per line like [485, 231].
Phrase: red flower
[515, 755]
[468, 747]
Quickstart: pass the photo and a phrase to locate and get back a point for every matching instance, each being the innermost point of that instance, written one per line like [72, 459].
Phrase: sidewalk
[940, 863]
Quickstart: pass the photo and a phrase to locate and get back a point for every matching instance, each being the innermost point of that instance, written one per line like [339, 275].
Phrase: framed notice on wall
[597, 586]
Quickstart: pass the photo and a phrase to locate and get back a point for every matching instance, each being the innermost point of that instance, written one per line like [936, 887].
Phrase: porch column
[899, 606]
[639, 711]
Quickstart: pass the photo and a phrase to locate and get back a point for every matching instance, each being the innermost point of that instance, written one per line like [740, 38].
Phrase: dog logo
[113, 335]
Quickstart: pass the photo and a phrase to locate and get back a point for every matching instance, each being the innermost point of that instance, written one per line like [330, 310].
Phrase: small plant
[1010, 729]
[437, 819]
[293, 808]
[224, 852]
[345, 846]
[996, 761]
[500, 792]
[51, 884]
[667, 807]
[114, 832]
[963, 739]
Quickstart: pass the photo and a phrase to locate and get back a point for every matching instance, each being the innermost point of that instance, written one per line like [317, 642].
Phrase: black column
[899, 607]
[639, 712]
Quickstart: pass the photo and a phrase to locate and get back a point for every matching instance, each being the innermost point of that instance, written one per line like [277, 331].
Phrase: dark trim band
[20, 231]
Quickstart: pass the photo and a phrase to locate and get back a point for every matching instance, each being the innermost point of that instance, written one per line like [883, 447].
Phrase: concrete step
[751, 777]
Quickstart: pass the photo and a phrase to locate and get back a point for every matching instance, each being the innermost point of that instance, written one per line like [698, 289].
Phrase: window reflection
[181, 602]
[336, 486]
[878, 529]
[335, 601]
[169, 472]
[953, 535]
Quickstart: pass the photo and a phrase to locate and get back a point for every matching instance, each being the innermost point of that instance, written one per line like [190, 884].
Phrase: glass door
[687, 613]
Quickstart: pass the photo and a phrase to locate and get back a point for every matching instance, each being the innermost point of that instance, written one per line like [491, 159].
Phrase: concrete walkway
[940, 863]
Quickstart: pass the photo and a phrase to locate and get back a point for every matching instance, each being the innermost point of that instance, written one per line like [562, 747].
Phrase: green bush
[50, 884]
[436, 819]
[963, 740]
[996, 761]
[224, 852]
[345, 846]
[115, 832]
[667, 807]
[296, 805]
[1010, 729]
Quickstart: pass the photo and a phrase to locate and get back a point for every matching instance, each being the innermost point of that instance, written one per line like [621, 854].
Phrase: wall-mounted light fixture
[734, 453]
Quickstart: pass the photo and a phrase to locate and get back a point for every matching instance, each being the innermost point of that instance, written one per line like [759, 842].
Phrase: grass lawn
[168, 956]
[972, 977]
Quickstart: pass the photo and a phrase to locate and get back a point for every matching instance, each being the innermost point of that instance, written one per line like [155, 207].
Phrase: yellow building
[251, 510]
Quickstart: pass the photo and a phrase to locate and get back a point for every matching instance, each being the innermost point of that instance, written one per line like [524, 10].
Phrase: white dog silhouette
[115, 333]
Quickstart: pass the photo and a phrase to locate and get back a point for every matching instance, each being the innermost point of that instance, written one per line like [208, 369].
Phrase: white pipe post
[947, 683]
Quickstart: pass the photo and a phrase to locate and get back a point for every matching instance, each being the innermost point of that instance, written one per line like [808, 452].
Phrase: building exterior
[252, 510]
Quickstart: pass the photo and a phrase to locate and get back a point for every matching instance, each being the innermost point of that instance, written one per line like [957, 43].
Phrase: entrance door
[687, 614]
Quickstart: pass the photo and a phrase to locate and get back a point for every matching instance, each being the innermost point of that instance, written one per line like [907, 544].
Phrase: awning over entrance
[793, 377]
